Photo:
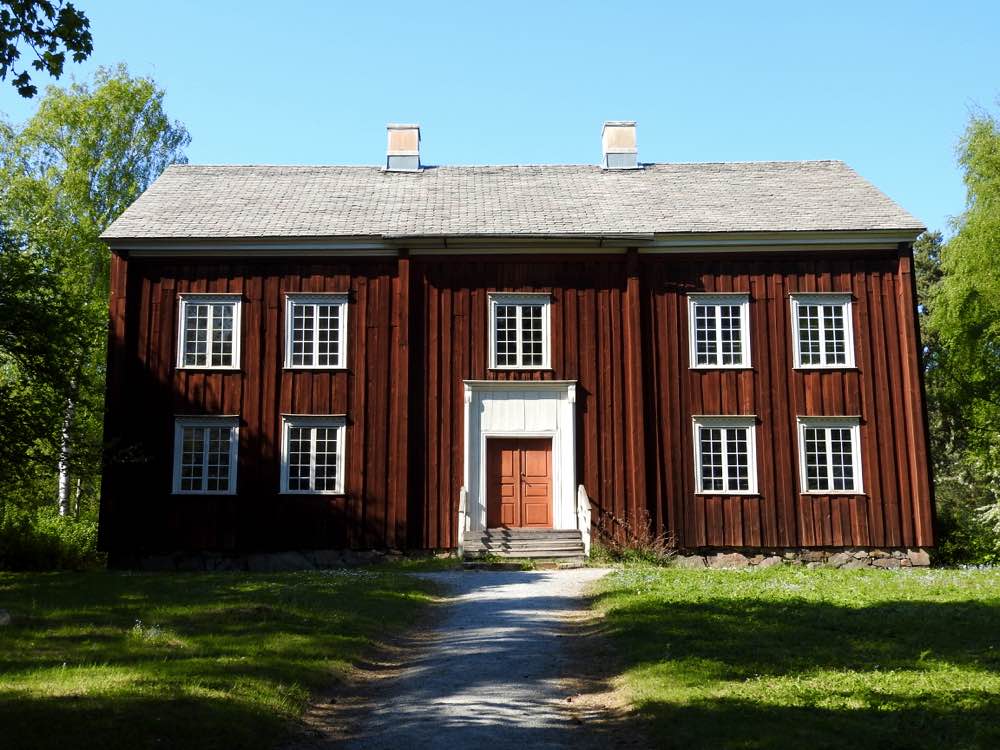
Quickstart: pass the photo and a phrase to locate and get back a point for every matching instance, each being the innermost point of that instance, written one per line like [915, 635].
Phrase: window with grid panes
[209, 331]
[313, 455]
[316, 330]
[823, 330]
[829, 455]
[205, 450]
[725, 455]
[719, 330]
[519, 328]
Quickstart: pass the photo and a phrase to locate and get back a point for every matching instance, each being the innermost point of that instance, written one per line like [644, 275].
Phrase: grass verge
[793, 658]
[198, 661]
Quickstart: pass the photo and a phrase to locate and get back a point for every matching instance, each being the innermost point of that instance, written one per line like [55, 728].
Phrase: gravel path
[495, 672]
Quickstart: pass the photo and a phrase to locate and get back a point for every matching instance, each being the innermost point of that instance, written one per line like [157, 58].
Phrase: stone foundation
[811, 558]
[266, 562]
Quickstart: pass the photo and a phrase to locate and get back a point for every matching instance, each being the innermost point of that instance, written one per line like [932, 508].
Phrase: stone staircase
[543, 545]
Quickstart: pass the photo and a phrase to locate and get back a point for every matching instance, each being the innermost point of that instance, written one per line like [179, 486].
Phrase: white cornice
[710, 242]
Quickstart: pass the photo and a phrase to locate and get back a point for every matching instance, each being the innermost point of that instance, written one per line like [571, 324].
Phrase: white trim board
[525, 409]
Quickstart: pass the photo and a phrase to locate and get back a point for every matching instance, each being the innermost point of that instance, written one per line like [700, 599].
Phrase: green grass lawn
[118, 660]
[795, 658]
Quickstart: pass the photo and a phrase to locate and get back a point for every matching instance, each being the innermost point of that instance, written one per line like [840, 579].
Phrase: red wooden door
[519, 483]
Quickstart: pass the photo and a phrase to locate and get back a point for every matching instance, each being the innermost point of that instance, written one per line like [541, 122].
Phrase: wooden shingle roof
[257, 202]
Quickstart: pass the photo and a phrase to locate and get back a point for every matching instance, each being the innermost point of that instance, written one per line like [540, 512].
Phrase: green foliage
[43, 540]
[87, 153]
[959, 285]
[194, 661]
[792, 658]
[632, 542]
[50, 30]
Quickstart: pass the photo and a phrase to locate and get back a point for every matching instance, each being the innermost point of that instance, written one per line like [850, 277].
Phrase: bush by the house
[42, 540]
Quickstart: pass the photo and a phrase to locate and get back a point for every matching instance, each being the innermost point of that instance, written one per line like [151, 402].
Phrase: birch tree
[86, 154]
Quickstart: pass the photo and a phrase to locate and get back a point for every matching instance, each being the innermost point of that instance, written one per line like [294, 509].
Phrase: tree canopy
[50, 29]
[959, 286]
[86, 154]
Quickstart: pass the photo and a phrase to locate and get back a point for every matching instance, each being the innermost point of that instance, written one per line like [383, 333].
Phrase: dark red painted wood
[418, 327]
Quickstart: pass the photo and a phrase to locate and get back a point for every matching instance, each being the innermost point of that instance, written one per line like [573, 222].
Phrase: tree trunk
[64, 448]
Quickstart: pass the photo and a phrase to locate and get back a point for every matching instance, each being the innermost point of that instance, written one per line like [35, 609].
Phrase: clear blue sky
[884, 86]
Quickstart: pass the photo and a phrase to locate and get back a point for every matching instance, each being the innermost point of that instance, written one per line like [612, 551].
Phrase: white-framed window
[315, 331]
[519, 331]
[719, 330]
[208, 335]
[205, 452]
[830, 455]
[312, 455]
[823, 330]
[725, 455]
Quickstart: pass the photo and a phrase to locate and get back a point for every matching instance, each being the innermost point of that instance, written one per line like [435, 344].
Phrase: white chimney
[618, 145]
[403, 150]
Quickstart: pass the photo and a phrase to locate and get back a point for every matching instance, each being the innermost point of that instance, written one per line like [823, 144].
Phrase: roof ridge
[264, 165]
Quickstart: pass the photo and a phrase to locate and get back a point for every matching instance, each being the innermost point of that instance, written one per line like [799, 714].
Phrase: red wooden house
[408, 356]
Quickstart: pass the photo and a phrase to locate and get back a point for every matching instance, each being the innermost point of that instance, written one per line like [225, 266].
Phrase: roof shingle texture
[313, 202]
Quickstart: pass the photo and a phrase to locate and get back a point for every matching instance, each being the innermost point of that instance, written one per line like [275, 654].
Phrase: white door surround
[516, 409]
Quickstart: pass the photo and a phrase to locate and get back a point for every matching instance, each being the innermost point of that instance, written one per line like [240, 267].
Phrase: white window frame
[519, 299]
[335, 421]
[234, 444]
[316, 298]
[713, 299]
[852, 423]
[844, 300]
[235, 299]
[723, 422]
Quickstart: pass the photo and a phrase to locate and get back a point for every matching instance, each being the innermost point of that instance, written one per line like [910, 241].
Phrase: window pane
[299, 446]
[730, 341]
[841, 459]
[738, 459]
[192, 458]
[302, 335]
[531, 336]
[328, 331]
[195, 334]
[222, 334]
[711, 459]
[217, 465]
[809, 335]
[816, 459]
[326, 459]
[705, 335]
[506, 335]
[833, 326]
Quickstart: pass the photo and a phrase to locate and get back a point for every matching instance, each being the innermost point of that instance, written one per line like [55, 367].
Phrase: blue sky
[884, 86]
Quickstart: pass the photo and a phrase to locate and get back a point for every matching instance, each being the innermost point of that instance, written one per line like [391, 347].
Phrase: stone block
[769, 562]
[728, 560]
[690, 562]
[839, 559]
[919, 558]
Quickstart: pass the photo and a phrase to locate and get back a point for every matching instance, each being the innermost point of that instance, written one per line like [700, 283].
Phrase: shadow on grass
[745, 671]
[137, 722]
[114, 660]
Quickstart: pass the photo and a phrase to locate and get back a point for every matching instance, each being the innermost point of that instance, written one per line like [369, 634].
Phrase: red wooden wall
[418, 328]
[884, 389]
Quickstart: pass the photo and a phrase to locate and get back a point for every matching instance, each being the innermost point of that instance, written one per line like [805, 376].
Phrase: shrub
[620, 540]
[42, 540]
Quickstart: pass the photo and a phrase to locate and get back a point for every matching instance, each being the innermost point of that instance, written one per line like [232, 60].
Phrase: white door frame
[520, 409]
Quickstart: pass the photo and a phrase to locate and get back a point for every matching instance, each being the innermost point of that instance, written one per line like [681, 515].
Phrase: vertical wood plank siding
[419, 326]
